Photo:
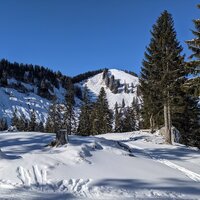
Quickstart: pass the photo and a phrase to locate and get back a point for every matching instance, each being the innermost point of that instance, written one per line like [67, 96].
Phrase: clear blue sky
[75, 36]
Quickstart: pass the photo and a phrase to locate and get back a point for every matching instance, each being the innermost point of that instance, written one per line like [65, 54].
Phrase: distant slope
[24, 88]
[95, 83]
[24, 102]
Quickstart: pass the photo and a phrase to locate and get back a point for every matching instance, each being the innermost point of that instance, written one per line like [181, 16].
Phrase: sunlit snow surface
[110, 166]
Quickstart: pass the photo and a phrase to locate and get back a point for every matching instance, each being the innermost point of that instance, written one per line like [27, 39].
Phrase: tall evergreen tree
[102, 116]
[15, 120]
[163, 67]
[69, 115]
[136, 112]
[33, 122]
[3, 124]
[85, 124]
[118, 119]
[193, 85]
[54, 122]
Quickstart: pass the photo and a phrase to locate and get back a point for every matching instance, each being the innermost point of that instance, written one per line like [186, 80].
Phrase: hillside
[26, 91]
[111, 166]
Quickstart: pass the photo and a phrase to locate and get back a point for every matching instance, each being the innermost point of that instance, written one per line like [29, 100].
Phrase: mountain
[127, 87]
[24, 88]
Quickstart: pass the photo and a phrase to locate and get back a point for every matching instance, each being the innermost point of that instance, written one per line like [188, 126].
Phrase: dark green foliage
[84, 76]
[78, 92]
[131, 73]
[69, 115]
[30, 74]
[187, 118]
[40, 127]
[85, 121]
[126, 88]
[33, 123]
[54, 121]
[105, 72]
[162, 67]
[118, 120]
[123, 103]
[162, 83]
[110, 82]
[136, 112]
[193, 85]
[129, 122]
[15, 119]
[3, 124]
[101, 115]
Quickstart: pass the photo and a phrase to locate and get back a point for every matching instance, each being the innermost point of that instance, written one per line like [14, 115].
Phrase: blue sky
[75, 36]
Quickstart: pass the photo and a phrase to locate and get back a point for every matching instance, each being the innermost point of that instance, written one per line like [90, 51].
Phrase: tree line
[170, 98]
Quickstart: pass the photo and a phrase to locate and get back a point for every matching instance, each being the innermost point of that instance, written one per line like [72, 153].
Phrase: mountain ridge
[20, 94]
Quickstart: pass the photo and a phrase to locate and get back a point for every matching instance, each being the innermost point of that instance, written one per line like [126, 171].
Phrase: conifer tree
[162, 68]
[15, 119]
[192, 86]
[3, 124]
[136, 112]
[33, 122]
[85, 125]
[123, 103]
[69, 115]
[102, 116]
[54, 122]
[118, 119]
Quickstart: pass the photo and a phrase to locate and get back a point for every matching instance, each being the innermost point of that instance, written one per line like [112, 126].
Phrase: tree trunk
[170, 124]
[167, 120]
[151, 123]
[60, 138]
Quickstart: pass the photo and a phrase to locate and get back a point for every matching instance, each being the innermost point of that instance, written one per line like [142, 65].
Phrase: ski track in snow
[190, 174]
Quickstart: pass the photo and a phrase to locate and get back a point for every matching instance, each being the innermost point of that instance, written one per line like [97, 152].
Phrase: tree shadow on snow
[167, 185]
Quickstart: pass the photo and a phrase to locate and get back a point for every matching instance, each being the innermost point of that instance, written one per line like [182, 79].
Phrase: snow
[110, 166]
[12, 99]
[95, 83]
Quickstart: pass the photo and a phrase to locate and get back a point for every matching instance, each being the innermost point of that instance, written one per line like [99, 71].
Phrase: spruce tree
[69, 115]
[54, 122]
[102, 116]
[162, 68]
[123, 103]
[118, 119]
[194, 46]
[33, 122]
[85, 124]
[192, 86]
[136, 112]
[15, 120]
[3, 124]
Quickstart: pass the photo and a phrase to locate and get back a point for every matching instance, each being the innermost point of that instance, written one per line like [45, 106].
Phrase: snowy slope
[14, 99]
[95, 83]
[111, 166]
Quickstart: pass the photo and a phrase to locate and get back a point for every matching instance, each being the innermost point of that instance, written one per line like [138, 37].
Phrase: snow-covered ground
[110, 166]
